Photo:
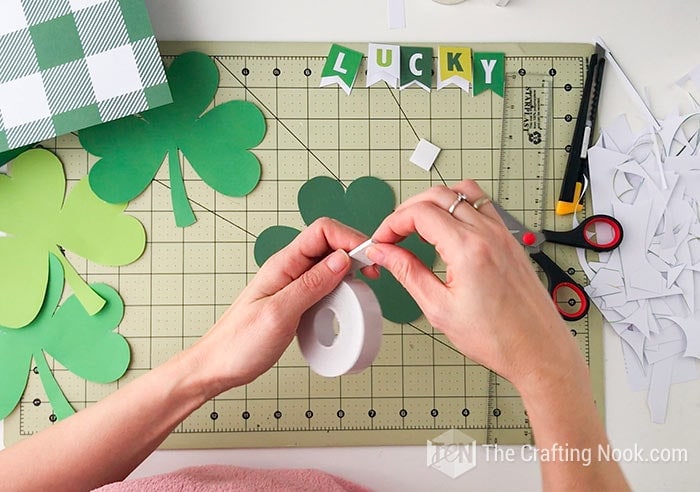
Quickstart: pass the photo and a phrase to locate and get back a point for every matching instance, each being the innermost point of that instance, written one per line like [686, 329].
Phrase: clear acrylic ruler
[521, 178]
[526, 178]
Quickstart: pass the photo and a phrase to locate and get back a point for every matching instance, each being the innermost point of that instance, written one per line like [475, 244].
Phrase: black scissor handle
[558, 279]
[580, 237]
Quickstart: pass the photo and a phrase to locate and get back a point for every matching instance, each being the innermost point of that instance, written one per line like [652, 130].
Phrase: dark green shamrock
[85, 345]
[364, 205]
[216, 143]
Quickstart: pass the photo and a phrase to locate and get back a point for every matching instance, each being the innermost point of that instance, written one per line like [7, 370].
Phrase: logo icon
[535, 137]
[452, 453]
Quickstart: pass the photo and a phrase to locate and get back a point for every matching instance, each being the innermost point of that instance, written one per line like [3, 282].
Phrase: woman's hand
[247, 340]
[254, 332]
[491, 305]
[495, 310]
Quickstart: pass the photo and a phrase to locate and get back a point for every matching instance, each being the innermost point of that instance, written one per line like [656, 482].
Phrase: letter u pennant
[341, 67]
[383, 64]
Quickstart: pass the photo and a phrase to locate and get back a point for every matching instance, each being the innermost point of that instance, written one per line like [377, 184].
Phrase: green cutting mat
[419, 385]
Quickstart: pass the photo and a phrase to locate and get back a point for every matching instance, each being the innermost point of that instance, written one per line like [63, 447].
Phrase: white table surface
[656, 41]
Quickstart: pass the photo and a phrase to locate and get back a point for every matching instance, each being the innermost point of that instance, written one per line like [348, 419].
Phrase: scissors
[558, 281]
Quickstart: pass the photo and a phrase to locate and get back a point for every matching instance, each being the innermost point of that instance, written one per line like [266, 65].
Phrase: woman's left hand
[254, 332]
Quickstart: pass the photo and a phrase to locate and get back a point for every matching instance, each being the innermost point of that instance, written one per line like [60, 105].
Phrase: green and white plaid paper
[71, 64]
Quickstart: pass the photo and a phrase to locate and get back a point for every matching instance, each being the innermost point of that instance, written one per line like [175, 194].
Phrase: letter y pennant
[489, 72]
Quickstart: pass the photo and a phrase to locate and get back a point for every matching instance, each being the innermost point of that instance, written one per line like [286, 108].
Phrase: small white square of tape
[425, 154]
[359, 257]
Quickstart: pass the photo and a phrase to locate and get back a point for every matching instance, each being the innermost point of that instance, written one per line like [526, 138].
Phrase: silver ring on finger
[460, 198]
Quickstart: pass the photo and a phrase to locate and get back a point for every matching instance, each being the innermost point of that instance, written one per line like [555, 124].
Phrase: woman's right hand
[491, 305]
[495, 310]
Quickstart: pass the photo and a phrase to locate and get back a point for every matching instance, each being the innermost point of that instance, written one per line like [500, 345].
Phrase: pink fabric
[214, 478]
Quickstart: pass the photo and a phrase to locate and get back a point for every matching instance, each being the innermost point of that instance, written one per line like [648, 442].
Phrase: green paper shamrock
[215, 143]
[364, 205]
[85, 345]
[36, 219]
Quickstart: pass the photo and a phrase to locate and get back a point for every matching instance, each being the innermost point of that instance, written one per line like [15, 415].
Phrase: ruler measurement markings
[527, 114]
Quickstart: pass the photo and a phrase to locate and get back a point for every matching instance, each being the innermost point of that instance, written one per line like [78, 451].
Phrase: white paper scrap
[646, 289]
[397, 14]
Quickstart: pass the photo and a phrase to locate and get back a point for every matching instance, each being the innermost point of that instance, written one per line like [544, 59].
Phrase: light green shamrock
[38, 219]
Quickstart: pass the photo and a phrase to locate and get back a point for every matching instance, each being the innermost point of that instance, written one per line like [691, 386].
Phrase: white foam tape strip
[358, 256]
[354, 348]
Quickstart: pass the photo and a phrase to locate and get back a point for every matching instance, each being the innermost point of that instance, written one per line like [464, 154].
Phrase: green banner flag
[416, 67]
[489, 73]
[341, 67]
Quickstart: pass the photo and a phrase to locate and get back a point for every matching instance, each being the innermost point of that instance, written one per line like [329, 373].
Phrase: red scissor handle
[558, 279]
[585, 236]
[578, 301]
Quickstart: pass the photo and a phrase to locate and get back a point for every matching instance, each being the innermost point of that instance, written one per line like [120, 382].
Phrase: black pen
[577, 164]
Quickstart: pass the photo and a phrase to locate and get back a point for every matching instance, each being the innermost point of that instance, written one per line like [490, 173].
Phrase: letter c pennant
[416, 67]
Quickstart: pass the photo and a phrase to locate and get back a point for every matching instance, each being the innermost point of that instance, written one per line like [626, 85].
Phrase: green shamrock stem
[90, 300]
[59, 403]
[184, 216]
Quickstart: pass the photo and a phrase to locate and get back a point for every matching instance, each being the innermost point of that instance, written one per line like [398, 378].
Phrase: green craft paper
[489, 73]
[216, 143]
[416, 66]
[8, 155]
[365, 203]
[85, 345]
[39, 219]
[269, 241]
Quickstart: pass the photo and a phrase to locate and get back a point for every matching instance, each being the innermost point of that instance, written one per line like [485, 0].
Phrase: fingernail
[375, 254]
[338, 261]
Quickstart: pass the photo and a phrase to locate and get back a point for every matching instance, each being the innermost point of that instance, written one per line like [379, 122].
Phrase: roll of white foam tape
[359, 318]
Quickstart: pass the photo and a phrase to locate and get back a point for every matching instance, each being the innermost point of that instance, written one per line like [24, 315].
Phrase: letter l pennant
[341, 67]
